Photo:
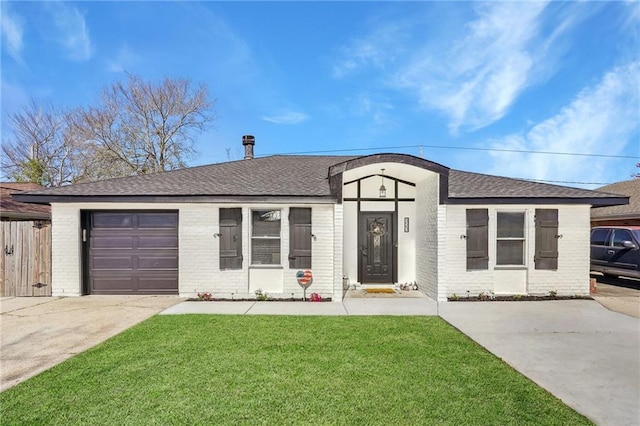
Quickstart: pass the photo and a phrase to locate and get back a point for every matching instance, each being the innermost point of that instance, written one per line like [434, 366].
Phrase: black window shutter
[231, 238]
[299, 238]
[546, 256]
[477, 239]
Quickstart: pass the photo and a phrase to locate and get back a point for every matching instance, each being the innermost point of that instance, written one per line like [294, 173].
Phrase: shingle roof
[477, 185]
[630, 188]
[10, 208]
[293, 175]
[275, 175]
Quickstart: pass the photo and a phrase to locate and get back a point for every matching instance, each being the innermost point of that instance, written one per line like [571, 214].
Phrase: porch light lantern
[383, 190]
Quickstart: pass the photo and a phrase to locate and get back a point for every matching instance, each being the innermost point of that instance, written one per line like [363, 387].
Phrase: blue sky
[361, 76]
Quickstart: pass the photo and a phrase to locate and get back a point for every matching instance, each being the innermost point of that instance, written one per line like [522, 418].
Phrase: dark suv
[615, 250]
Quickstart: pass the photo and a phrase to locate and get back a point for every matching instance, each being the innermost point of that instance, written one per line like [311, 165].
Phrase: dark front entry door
[376, 248]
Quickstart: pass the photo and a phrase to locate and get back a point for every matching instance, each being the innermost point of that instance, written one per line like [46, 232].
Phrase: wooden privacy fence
[25, 263]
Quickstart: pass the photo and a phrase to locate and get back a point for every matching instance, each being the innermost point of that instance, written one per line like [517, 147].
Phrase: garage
[131, 252]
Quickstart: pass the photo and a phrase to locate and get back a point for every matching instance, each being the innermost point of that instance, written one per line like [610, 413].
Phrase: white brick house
[236, 227]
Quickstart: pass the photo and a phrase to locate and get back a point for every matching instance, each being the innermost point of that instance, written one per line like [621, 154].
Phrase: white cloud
[125, 59]
[633, 14]
[379, 48]
[475, 78]
[601, 119]
[373, 107]
[72, 31]
[12, 32]
[287, 117]
[471, 72]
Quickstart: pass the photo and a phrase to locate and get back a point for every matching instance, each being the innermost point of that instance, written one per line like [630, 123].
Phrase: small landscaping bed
[260, 297]
[513, 298]
[270, 299]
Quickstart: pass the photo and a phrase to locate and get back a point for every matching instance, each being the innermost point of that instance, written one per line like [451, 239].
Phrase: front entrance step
[361, 293]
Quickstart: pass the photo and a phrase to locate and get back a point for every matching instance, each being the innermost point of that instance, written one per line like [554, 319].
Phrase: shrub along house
[236, 227]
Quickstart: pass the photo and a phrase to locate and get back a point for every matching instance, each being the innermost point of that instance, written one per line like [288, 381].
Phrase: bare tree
[148, 127]
[136, 128]
[42, 150]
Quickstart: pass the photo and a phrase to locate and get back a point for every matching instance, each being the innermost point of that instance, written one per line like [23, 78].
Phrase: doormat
[379, 290]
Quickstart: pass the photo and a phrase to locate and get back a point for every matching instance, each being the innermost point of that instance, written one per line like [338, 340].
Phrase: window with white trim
[265, 237]
[510, 241]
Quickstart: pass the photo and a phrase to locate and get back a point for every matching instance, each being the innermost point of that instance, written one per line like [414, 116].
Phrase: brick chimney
[248, 141]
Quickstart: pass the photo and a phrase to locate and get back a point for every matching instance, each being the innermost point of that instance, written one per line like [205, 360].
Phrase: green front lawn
[207, 369]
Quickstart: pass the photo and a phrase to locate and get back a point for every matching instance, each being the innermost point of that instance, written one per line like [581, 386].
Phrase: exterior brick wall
[427, 235]
[236, 283]
[350, 249]
[571, 277]
[338, 269]
[440, 252]
[322, 266]
[407, 240]
[198, 264]
[66, 266]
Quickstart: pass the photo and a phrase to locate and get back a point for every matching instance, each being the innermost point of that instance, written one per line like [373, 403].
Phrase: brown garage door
[132, 252]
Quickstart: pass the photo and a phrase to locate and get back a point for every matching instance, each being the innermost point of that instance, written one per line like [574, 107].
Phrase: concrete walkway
[351, 306]
[581, 352]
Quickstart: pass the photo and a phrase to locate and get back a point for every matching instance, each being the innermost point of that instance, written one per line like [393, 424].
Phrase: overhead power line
[519, 151]
[565, 181]
[576, 154]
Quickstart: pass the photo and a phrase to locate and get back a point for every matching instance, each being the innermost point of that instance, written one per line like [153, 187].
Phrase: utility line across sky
[519, 151]
[382, 148]
[577, 154]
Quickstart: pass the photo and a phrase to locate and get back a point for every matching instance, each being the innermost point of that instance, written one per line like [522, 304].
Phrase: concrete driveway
[618, 294]
[581, 352]
[37, 333]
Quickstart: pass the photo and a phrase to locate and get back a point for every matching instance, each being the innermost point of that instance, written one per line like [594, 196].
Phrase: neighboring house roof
[13, 209]
[285, 176]
[629, 188]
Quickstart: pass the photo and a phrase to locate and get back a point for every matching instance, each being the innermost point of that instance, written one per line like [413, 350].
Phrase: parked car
[615, 250]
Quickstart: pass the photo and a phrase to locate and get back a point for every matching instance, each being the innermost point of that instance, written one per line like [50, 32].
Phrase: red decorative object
[305, 278]
[315, 297]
